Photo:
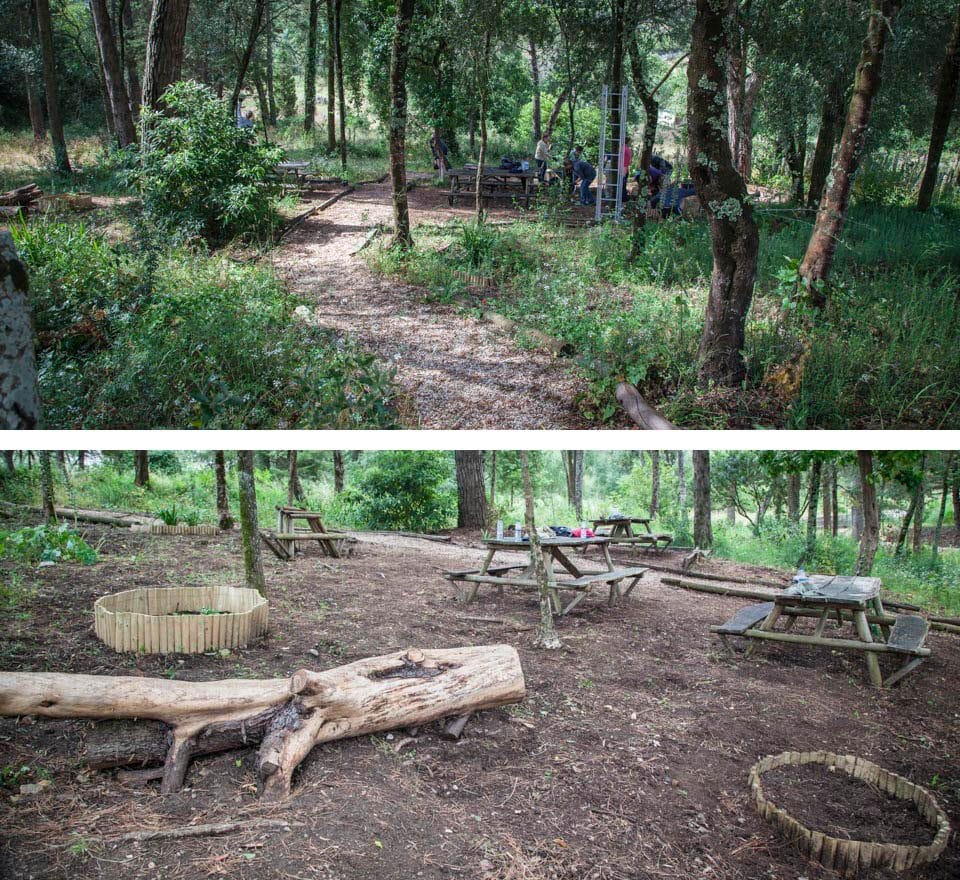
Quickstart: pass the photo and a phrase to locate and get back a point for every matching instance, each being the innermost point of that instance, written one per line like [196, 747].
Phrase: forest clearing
[625, 753]
[581, 217]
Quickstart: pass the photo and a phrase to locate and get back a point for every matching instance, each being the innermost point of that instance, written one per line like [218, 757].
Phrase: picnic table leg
[552, 579]
[767, 626]
[615, 594]
[475, 585]
[878, 609]
[821, 623]
[556, 553]
[873, 664]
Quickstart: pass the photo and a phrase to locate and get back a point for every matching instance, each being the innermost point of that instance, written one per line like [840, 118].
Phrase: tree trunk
[165, 36]
[134, 88]
[471, 491]
[827, 498]
[331, 78]
[398, 122]
[341, 95]
[946, 99]
[813, 498]
[256, 25]
[51, 86]
[654, 483]
[337, 471]
[35, 108]
[555, 111]
[271, 93]
[113, 74]
[8, 461]
[105, 97]
[793, 498]
[651, 111]
[702, 525]
[224, 519]
[742, 90]
[723, 195]
[249, 524]
[483, 85]
[294, 486]
[941, 512]
[956, 494]
[81, 459]
[870, 536]
[19, 400]
[310, 75]
[826, 138]
[796, 156]
[573, 467]
[492, 506]
[286, 717]
[917, 538]
[46, 487]
[682, 487]
[547, 634]
[905, 524]
[141, 468]
[835, 506]
[535, 78]
[828, 227]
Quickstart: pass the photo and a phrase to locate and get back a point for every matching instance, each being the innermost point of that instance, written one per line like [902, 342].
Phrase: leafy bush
[46, 543]
[202, 175]
[400, 490]
[478, 241]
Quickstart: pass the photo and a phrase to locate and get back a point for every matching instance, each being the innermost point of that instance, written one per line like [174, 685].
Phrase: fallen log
[285, 717]
[704, 576]
[644, 415]
[210, 830]
[316, 209]
[21, 196]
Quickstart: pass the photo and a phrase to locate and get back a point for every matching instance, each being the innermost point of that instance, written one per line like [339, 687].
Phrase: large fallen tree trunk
[286, 717]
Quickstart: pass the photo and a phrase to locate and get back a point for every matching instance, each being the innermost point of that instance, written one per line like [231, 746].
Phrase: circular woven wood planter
[180, 620]
[847, 857]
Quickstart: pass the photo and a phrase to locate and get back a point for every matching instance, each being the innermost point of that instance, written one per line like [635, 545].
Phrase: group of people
[579, 172]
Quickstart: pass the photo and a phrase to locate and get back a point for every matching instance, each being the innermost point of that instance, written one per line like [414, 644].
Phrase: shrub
[202, 175]
[46, 543]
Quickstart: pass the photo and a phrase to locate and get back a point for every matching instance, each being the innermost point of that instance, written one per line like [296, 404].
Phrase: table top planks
[511, 544]
[841, 590]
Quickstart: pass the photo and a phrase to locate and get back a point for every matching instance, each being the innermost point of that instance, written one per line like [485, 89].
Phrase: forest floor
[627, 760]
[454, 370]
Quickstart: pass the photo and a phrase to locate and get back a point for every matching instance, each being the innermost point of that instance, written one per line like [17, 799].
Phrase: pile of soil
[833, 802]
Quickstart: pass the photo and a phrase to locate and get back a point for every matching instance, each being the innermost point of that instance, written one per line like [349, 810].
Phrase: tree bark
[742, 90]
[835, 505]
[917, 538]
[398, 122]
[826, 138]
[249, 524]
[46, 487]
[555, 111]
[702, 524]
[955, 500]
[535, 79]
[134, 89]
[256, 25]
[51, 86]
[793, 498]
[285, 717]
[828, 227]
[483, 86]
[546, 634]
[341, 95]
[682, 486]
[165, 36]
[19, 399]
[827, 496]
[813, 501]
[795, 150]
[492, 506]
[224, 519]
[294, 486]
[331, 78]
[870, 536]
[946, 100]
[337, 471]
[471, 491]
[941, 511]
[8, 461]
[113, 74]
[141, 468]
[271, 93]
[905, 524]
[573, 469]
[722, 193]
[654, 483]
[310, 74]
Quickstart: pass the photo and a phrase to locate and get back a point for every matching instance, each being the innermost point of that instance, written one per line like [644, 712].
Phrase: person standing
[542, 156]
[587, 174]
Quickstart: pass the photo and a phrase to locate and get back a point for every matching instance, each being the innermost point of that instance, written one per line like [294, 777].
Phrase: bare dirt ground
[456, 371]
[628, 759]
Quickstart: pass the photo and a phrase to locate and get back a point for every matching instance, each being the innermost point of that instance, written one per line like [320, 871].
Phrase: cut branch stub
[285, 717]
[847, 857]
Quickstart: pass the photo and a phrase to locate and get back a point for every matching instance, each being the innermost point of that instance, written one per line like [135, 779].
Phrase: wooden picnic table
[621, 531]
[554, 552]
[297, 169]
[287, 535]
[853, 600]
[495, 183]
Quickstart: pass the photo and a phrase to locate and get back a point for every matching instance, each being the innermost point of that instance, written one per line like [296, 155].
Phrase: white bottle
[517, 532]
[499, 529]
[583, 530]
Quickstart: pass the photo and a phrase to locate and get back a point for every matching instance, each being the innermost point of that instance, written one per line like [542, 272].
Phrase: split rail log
[286, 717]
[644, 415]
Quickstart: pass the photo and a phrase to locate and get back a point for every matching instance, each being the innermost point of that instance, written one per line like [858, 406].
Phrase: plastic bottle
[499, 529]
[517, 532]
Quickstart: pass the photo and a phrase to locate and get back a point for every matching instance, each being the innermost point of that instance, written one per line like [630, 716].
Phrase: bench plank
[459, 575]
[908, 634]
[744, 619]
[603, 577]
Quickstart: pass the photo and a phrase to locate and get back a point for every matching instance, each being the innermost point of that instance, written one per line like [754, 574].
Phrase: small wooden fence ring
[847, 857]
[180, 620]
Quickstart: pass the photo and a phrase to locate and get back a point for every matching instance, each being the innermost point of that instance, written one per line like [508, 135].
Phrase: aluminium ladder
[610, 174]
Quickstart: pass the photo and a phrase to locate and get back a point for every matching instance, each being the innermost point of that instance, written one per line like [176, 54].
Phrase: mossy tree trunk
[547, 634]
[870, 533]
[46, 487]
[249, 523]
[398, 122]
[331, 77]
[310, 72]
[702, 525]
[224, 519]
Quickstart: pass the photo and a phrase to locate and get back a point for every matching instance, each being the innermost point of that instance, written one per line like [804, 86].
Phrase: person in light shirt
[542, 155]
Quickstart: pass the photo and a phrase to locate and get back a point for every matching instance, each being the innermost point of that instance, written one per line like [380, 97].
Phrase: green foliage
[478, 241]
[46, 543]
[200, 174]
[211, 344]
[400, 490]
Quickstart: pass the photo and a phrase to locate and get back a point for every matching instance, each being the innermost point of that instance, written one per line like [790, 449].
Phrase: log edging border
[206, 530]
[847, 857]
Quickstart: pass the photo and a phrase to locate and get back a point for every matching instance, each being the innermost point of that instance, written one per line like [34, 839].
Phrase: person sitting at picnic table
[439, 149]
[586, 174]
[570, 166]
[245, 120]
[671, 198]
[542, 156]
[658, 172]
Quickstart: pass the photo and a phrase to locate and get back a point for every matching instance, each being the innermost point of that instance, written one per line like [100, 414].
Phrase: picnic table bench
[853, 600]
[297, 170]
[495, 184]
[287, 535]
[619, 530]
[553, 552]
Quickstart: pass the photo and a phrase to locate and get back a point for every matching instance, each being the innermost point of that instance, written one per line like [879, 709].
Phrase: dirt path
[455, 370]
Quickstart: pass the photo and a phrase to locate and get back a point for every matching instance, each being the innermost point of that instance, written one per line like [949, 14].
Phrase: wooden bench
[335, 544]
[746, 618]
[907, 637]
